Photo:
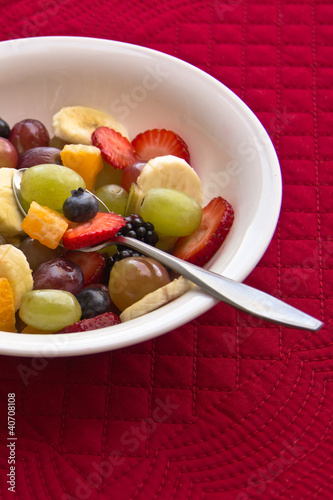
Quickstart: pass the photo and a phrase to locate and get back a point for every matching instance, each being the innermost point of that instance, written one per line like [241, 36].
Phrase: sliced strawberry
[160, 142]
[93, 265]
[101, 321]
[115, 148]
[101, 228]
[200, 246]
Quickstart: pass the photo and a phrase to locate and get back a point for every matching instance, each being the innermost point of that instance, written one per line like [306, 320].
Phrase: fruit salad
[82, 185]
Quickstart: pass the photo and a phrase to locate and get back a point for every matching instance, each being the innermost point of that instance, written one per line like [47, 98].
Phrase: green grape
[49, 185]
[49, 310]
[172, 212]
[114, 197]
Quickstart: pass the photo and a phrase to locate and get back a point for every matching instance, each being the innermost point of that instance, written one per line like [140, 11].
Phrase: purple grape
[36, 253]
[28, 134]
[39, 156]
[4, 129]
[59, 274]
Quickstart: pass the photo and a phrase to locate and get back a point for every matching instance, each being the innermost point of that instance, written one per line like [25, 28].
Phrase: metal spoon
[237, 294]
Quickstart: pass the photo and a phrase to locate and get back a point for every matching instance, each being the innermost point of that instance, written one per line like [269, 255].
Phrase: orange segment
[7, 307]
[45, 225]
[85, 160]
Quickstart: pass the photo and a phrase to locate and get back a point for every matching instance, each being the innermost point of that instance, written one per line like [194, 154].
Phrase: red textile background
[226, 407]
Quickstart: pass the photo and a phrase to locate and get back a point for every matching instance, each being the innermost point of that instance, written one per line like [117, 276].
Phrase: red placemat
[227, 406]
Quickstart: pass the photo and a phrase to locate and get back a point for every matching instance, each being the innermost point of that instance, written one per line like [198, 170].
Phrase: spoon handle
[237, 294]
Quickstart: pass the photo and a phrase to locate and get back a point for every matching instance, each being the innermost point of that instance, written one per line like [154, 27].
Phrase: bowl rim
[60, 345]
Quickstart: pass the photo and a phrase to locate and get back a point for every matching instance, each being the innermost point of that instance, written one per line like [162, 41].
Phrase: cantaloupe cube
[85, 160]
[7, 307]
[45, 225]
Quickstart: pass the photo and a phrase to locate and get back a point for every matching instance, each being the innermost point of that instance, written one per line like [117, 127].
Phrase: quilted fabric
[227, 406]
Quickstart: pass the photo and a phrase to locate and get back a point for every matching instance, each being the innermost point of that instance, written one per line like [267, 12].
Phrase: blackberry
[135, 228]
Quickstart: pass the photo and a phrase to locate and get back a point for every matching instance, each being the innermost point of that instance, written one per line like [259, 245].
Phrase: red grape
[59, 274]
[130, 174]
[28, 134]
[8, 154]
[39, 156]
[36, 253]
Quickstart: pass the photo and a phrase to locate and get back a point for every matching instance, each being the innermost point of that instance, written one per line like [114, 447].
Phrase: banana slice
[14, 266]
[10, 216]
[75, 124]
[170, 172]
[156, 299]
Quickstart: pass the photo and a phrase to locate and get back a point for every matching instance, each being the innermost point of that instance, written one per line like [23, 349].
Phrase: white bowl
[144, 89]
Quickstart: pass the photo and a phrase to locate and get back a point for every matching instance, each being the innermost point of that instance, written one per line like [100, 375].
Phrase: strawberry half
[160, 142]
[115, 148]
[101, 228]
[92, 264]
[101, 321]
[200, 246]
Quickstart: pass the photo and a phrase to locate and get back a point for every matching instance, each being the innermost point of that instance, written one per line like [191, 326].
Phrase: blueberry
[81, 206]
[93, 301]
[4, 129]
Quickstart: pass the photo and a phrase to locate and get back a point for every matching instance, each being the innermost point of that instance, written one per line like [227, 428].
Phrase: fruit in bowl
[229, 150]
[62, 213]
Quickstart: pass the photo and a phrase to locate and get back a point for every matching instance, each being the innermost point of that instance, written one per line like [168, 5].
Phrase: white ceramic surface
[229, 148]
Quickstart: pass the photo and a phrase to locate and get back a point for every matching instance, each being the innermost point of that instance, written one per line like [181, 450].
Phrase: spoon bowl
[16, 185]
